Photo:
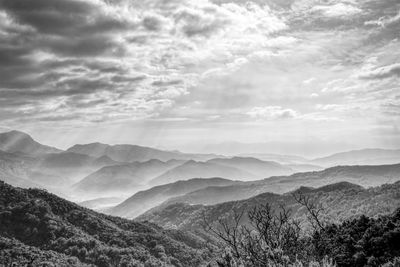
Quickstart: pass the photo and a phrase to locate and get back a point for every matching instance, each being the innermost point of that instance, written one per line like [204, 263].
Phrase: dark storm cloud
[12, 56]
[65, 28]
[68, 31]
[61, 17]
[84, 46]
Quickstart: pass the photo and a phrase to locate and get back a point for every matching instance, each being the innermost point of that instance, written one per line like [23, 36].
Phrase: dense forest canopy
[36, 226]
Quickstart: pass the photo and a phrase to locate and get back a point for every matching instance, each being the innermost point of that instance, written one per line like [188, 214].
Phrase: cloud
[384, 21]
[128, 52]
[334, 107]
[337, 10]
[310, 80]
[392, 70]
[272, 112]
[194, 21]
[154, 22]
[66, 18]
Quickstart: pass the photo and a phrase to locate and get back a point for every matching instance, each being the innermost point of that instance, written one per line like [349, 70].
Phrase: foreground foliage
[273, 238]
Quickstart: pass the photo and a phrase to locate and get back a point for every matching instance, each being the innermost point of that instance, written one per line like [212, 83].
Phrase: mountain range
[362, 175]
[360, 157]
[145, 200]
[130, 153]
[96, 170]
[178, 192]
[195, 169]
[258, 168]
[340, 201]
[209, 194]
[125, 177]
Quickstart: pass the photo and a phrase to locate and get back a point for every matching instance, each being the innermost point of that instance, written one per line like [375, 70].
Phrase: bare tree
[228, 231]
[269, 239]
[313, 208]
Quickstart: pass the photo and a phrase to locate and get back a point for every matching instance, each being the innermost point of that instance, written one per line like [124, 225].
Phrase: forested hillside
[39, 228]
[340, 201]
[366, 176]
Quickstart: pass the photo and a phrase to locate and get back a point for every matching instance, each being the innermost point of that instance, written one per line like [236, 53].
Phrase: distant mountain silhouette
[304, 167]
[257, 167]
[72, 166]
[48, 171]
[361, 157]
[131, 153]
[106, 161]
[124, 178]
[144, 200]
[327, 188]
[16, 141]
[99, 204]
[195, 169]
[283, 159]
[13, 169]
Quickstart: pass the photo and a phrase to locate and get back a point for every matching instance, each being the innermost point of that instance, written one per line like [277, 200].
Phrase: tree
[271, 239]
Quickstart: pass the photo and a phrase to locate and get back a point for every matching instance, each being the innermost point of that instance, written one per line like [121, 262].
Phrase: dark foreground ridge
[41, 229]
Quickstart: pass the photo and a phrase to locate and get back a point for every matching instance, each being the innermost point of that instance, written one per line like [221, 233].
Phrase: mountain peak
[95, 144]
[339, 186]
[17, 141]
[15, 134]
[190, 162]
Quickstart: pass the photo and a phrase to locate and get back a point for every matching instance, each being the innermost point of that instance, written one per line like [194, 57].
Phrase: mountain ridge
[16, 141]
[341, 201]
[375, 156]
[146, 199]
[131, 153]
[197, 169]
[365, 176]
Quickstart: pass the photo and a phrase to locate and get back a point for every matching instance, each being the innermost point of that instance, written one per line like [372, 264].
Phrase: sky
[284, 76]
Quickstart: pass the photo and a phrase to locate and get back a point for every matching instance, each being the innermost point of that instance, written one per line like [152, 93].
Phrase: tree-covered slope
[42, 226]
[340, 201]
[362, 175]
